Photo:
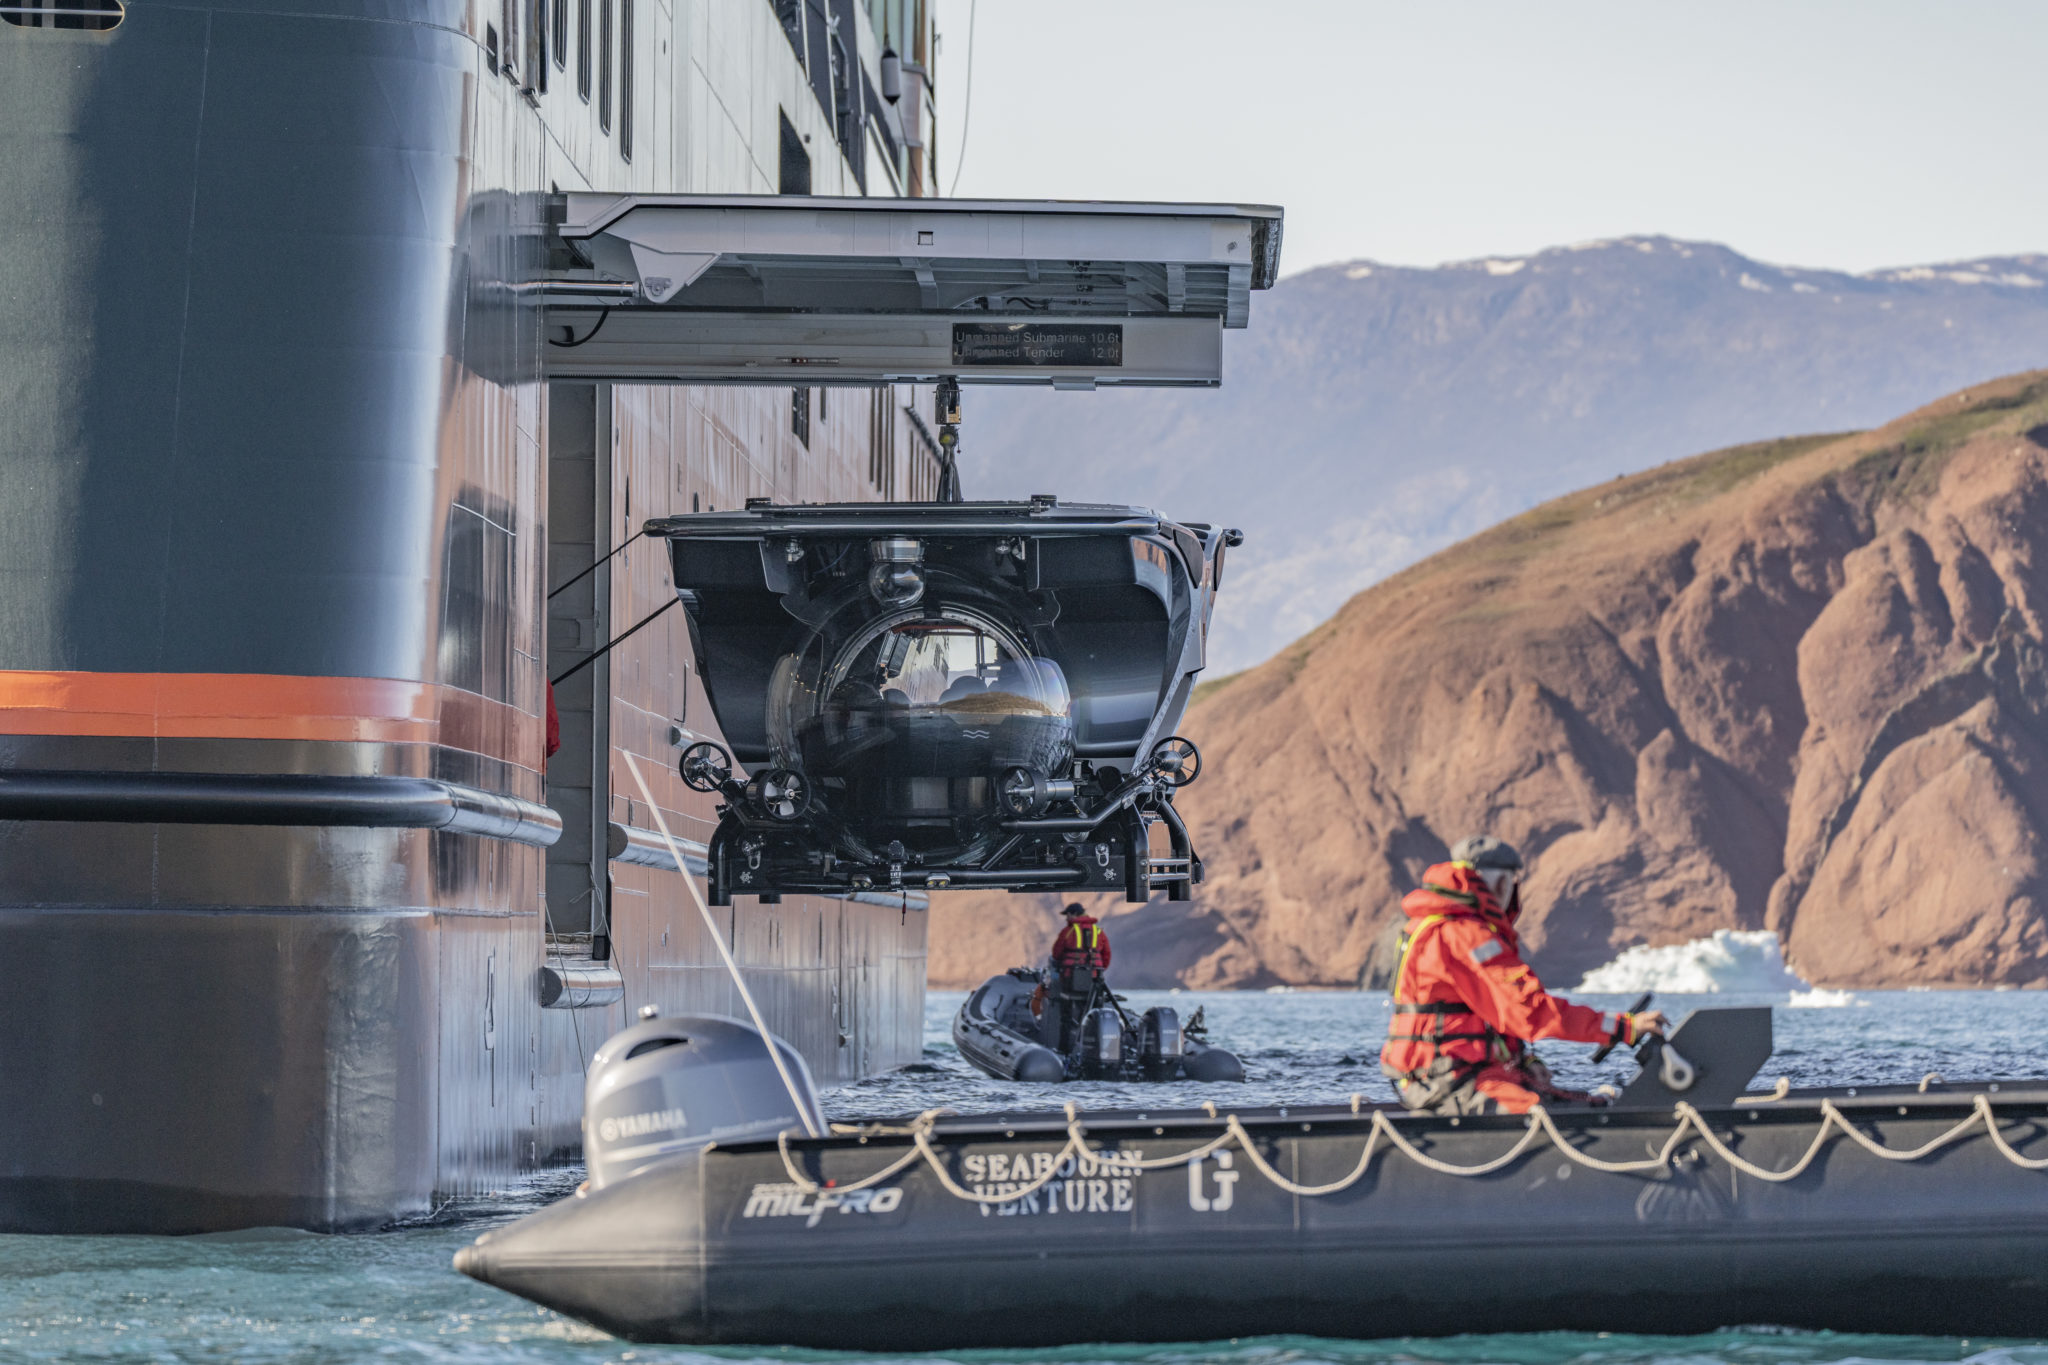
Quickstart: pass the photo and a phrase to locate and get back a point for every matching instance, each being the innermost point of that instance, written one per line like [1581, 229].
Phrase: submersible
[1684, 1207]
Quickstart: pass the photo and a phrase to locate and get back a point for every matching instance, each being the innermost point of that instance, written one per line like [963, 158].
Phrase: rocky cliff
[1798, 685]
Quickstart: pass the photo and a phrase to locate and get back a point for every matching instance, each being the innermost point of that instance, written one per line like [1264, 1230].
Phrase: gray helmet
[1485, 851]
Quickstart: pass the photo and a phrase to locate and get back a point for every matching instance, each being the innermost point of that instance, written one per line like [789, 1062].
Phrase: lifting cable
[1541, 1125]
[626, 544]
[587, 660]
[796, 1096]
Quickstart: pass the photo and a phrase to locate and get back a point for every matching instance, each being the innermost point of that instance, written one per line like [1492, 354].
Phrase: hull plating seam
[275, 799]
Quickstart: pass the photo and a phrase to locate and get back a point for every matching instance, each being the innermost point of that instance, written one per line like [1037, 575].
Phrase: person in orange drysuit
[1466, 1007]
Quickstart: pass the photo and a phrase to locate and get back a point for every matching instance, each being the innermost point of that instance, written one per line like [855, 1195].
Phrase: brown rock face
[1798, 685]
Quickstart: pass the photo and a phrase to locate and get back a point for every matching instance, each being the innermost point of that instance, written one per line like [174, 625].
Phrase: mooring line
[1691, 1123]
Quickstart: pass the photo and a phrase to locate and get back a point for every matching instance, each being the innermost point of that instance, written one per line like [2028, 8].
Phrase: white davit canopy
[720, 289]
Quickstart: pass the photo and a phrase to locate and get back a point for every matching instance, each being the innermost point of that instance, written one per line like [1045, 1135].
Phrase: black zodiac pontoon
[1016, 1027]
[946, 694]
[1685, 1207]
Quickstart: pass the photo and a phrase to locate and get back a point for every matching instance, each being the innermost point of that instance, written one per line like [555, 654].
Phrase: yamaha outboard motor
[1159, 1046]
[1102, 1043]
[665, 1086]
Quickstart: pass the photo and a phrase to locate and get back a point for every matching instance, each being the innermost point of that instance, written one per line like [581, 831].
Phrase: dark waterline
[280, 1296]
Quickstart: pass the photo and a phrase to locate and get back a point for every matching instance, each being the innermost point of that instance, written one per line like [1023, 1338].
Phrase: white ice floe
[1821, 998]
[1733, 961]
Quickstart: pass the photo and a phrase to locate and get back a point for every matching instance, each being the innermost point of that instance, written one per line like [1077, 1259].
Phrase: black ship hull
[283, 495]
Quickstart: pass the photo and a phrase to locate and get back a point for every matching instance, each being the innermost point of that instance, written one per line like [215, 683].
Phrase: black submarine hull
[724, 1247]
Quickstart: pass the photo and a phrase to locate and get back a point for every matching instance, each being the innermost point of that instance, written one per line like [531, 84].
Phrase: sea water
[281, 1296]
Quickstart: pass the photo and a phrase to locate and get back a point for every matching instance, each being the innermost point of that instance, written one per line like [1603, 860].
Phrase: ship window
[96, 15]
[491, 47]
[477, 576]
[795, 170]
[583, 49]
[800, 415]
[604, 65]
[790, 13]
[538, 38]
[510, 56]
[560, 33]
[626, 79]
[882, 443]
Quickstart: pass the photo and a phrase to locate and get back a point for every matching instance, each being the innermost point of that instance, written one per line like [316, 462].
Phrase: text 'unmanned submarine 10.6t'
[948, 694]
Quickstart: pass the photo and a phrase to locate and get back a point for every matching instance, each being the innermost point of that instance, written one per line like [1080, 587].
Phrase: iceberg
[1748, 962]
[1821, 998]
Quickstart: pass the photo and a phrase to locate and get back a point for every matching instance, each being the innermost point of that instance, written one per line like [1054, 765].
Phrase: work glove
[1636, 1027]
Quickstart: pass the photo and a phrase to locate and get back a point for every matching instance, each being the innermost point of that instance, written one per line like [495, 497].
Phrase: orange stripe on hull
[265, 706]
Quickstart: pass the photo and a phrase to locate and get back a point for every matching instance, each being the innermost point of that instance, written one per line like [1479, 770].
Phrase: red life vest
[1081, 944]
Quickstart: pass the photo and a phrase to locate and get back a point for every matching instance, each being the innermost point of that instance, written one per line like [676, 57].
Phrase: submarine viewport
[950, 694]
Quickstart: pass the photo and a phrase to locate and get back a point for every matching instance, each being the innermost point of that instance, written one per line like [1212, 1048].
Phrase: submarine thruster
[931, 695]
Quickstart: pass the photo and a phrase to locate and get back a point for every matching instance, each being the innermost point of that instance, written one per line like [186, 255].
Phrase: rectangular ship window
[800, 415]
[604, 65]
[560, 33]
[538, 37]
[95, 15]
[794, 172]
[583, 49]
[626, 79]
[882, 442]
[790, 13]
[477, 578]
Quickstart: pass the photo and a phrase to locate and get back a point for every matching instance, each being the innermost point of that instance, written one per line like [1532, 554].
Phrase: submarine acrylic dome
[945, 694]
[913, 725]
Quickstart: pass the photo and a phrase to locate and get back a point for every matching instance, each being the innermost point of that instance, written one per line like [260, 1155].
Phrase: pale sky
[1830, 134]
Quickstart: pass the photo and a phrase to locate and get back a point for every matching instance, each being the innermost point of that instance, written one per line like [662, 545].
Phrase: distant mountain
[1799, 685]
[1373, 414]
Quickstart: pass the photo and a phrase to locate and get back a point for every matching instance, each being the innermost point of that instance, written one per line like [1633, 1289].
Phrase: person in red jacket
[1082, 943]
[1080, 954]
[1466, 1007]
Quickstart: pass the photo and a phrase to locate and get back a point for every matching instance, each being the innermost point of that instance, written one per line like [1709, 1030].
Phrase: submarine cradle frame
[1067, 638]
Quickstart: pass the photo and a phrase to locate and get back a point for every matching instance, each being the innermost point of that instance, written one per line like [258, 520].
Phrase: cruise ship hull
[284, 496]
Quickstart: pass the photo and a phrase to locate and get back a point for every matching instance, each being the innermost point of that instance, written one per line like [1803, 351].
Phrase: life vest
[1081, 944]
[1434, 1040]
[1462, 951]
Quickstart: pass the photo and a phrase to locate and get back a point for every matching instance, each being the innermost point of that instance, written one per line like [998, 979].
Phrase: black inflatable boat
[1686, 1206]
[1017, 1027]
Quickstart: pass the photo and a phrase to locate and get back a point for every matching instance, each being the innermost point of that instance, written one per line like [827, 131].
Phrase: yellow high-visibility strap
[1408, 943]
